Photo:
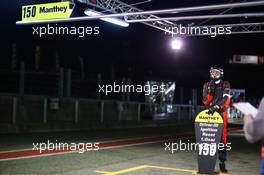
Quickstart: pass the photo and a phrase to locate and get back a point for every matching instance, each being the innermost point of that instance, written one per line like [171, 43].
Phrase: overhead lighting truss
[118, 9]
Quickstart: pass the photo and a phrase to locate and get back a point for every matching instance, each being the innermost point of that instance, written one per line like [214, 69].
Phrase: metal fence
[44, 109]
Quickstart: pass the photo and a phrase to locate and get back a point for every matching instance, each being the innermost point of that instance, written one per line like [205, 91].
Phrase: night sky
[138, 50]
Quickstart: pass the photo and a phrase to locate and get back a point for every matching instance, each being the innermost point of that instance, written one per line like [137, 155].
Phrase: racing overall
[220, 95]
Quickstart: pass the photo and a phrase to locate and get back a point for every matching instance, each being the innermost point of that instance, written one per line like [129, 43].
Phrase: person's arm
[248, 129]
[254, 128]
[207, 94]
[225, 101]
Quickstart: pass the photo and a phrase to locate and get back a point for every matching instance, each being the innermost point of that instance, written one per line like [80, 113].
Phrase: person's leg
[222, 158]
[222, 153]
[224, 132]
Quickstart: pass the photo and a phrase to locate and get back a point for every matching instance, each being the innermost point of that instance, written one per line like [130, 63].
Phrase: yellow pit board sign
[46, 11]
[204, 117]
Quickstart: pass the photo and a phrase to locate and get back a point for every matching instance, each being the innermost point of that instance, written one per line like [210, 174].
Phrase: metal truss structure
[247, 28]
[116, 6]
[132, 14]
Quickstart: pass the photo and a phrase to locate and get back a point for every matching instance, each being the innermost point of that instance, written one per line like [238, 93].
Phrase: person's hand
[210, 111]
[248, 118]
[213, 109]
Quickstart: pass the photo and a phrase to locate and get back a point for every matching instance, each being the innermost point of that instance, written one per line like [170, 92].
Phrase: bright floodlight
[116, 21]
[176, 44]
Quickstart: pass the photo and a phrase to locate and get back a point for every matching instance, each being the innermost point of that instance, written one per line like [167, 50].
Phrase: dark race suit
[218, 94]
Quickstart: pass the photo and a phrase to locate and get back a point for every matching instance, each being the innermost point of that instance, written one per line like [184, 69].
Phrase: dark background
[139, 52]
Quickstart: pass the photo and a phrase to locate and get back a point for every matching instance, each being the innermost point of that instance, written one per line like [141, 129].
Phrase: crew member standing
[216, 97]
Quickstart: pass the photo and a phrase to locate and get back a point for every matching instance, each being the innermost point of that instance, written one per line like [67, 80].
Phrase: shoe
[222, 168]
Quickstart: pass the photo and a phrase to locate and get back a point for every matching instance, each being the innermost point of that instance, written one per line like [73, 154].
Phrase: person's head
[216, 74]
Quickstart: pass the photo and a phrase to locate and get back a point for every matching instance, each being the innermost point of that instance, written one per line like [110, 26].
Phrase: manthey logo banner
[204, 117]
[46, 11]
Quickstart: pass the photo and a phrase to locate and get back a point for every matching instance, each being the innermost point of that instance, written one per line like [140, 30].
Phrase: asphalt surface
[149, 158]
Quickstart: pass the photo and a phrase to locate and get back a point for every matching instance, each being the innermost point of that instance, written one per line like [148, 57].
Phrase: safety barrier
[46, 109]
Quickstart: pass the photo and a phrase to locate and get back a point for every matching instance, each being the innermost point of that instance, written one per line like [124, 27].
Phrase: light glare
[176, 44]
[116, 21]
